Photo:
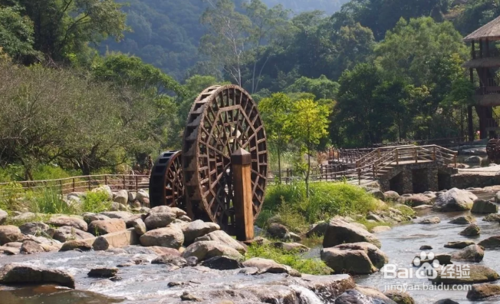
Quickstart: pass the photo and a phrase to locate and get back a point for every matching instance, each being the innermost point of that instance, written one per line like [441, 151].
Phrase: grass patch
[289, 205]
[95, 202]
[49, 201]
[292, 259]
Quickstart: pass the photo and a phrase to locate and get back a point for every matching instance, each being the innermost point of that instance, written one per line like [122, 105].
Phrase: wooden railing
[82, 183]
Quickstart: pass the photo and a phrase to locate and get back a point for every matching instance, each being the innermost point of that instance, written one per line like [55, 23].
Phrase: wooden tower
[486, 62]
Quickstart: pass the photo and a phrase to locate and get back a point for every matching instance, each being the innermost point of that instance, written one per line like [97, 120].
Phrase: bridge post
[397, 156]
[434, 153]
[415, 155]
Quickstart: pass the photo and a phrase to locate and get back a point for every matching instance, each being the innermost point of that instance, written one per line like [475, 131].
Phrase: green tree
[307, 124]
[16, 34]
[275, 112]
[64, 28]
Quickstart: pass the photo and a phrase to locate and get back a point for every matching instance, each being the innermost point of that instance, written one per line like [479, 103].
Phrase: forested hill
[167, 33]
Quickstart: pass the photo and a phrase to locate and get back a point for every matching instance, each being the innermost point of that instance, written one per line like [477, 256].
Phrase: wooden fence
[81, 183]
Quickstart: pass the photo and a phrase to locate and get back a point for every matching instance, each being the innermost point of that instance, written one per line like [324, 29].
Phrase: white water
[306, 296]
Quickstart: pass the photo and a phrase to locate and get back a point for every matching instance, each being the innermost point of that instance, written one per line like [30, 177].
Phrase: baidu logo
[427, 265]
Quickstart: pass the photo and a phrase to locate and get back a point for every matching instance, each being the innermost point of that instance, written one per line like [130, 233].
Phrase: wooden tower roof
[491, 30]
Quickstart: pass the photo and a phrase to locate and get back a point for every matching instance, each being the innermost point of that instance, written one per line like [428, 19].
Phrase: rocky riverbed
[160, 256]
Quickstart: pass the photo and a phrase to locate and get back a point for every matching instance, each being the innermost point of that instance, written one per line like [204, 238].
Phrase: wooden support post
[397, 156]
[434, 153]
[73, 184]
[241, 161]
[90, 187]
[415, 155]
[136, 183]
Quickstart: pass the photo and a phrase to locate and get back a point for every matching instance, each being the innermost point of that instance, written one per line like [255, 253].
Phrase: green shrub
[326, 200]
[49, 201]
[95, 202]
[292, 259]
[46, 172]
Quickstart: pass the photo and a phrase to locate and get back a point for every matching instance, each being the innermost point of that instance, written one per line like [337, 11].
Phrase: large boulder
[318, 229]
[400, 297]
[9, 234]
[139, 226]
[3, 216]
[419, 199]
[67, 233]
[340, 231]
[377, 257]
[107, 226]
[160, 217]
[223, 238]
[196, 229]
[268, 266]
[143, 197]
[477, 274]
[462, 220]
[222, 263]
[348, 261]
[430, 220]
[459, 244]
[24, 217]
[391, 196]
[491, 242]
[471, 253]
[124, 215]
[482, 291]
[454, 200]
[121, 197]
[171, 237]
[492, 218]
[36, 228]
[277, 230]
[89, 217]
[31, 247]
[357, 296]
[12, 274]
[203, 250]
[471, 230]
[484, 207]
[76, 245]
[60, 221]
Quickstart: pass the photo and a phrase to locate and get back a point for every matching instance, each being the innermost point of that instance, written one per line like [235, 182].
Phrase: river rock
[471, 253]
[222, 263]
[430, 220]
[170, 236]
[9, 234]
[419, 199]
[426, 247]
[160, 217]
[277, 230]
[400, 297]
[391, 196]
[269, 266]
[168, 259]
[376, 193]
[30, 247]
[491, 242]
[121, 197]
[484, 207]
[377, 257]
[60, 221]
[291, 247]
[67, 233]
[355, 296]
[459, 244]
[492, 218]
[76, 245]
[107, 226]
[318, 229]
[203, 250]
[196, 229]
[454, 200]
[24, 217]
[37, 228]
[3, 216]
[348, 261]
[446, 301]
[143, 196]
[340, 231]
[47, 244]
[139, 227]
[482, 291]
[10, 250]
[13, 274]
[471, 230]
[124, 215]
[90, 217]
[478, 274]
[102, 272]
[106, 189]
[462, 220]
[380, 229]
[223, 238]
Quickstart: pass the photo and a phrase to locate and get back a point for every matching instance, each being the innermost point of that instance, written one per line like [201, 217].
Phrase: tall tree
[307, 124]
[275, 112]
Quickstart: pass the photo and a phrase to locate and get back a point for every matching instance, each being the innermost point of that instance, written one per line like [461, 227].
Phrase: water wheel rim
[222, 120]
[166, 183]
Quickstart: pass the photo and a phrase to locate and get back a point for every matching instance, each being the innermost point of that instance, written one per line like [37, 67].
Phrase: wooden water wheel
[166, 184]
[222, 120]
